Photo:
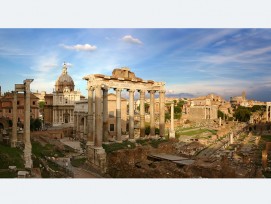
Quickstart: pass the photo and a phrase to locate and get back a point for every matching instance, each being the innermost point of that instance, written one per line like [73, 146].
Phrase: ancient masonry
[27, 143]
[121, 79]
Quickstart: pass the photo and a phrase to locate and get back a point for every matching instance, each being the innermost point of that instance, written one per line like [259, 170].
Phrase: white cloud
[79, 47]
[131, 39]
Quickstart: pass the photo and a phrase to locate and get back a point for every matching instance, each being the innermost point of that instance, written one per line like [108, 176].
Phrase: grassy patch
[78, 162]
[198, 131]
[153, 142]
[47, 150]
[117, 146]
[266, 138]
[10, 157]
[8, 174]
[156, 143]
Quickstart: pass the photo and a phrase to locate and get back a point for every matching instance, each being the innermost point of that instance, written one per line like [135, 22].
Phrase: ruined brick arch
[3, 123]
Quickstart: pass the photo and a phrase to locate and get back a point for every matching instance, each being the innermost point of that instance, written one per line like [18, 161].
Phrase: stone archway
[3, 123]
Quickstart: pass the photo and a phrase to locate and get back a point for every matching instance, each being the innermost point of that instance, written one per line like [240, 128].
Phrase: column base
[13, 144]
[96, 157]
[132, 140]
[172, 134]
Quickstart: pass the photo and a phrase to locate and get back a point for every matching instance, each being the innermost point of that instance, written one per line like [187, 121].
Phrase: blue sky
[190, 61]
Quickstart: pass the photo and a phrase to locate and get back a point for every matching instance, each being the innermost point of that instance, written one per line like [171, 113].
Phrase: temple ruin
[122, 79]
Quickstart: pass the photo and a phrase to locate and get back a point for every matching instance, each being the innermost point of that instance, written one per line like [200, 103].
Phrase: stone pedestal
[171, 134]
[96, 157]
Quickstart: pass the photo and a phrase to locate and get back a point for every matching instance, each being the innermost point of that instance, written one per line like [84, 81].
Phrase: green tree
[35, 124]
[242, 114]
[220, 114]
[41, 104]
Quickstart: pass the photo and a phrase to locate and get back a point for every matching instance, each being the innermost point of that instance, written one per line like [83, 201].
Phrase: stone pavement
[72, 143]
[78, 172]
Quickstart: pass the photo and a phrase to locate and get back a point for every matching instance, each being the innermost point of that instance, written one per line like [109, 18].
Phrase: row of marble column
[98, 133]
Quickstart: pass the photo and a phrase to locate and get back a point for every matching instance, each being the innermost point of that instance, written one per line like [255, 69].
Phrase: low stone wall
[54, 134]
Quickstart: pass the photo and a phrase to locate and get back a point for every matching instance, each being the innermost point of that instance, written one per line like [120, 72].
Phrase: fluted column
[90, 115]
[28, 147]
[142, 113]
[105, 114]
[14, 120]
[118, 114]
[98, 117]
[152, 125]
[131, 114]
[162, 113]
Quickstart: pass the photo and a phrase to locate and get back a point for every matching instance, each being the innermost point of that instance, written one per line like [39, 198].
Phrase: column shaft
[90, 115]
[28, 147]
[105, 114]
[98, 118]
[78, 125]
[118, 114]
[152, 125]
[162, 113]
[172, 117]
[14, 120]
[131, 114]
[142, 113]
[85, 126]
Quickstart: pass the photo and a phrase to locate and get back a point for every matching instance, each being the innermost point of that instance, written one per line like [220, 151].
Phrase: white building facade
[64, 97]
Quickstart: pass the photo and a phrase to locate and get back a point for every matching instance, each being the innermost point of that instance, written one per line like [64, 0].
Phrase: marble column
[105, 114]
[14, 120]
[28, 147]
[90, 116]
[118, 114]
[98, 117]
[85, 126]
[162, 113]
[172, 131]
[77, 125]
[142, 113]
[152, 117]
[131, 114]
[219, 121]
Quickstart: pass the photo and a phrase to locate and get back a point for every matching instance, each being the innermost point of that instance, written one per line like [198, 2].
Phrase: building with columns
[59, 106]
[81, 113]
[121, 80]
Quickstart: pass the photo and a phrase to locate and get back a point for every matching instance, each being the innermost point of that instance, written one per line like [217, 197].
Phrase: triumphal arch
[122, 79]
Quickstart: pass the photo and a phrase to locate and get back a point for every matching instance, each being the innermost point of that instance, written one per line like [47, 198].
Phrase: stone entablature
[118, 80]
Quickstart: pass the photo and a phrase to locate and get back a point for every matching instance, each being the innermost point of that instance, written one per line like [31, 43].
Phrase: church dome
[64, 81]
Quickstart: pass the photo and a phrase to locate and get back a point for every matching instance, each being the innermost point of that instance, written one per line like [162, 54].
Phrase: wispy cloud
[79, 47]
[131, 39]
